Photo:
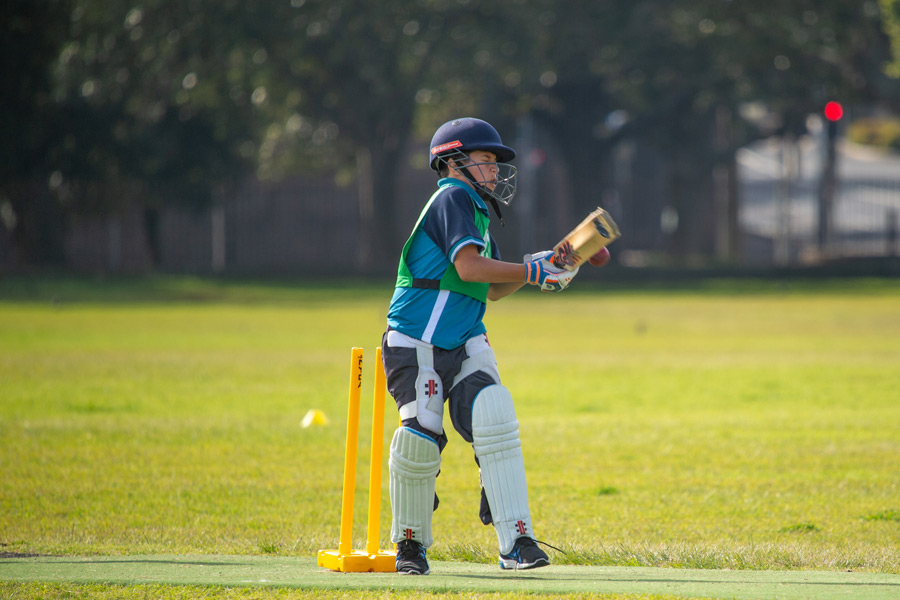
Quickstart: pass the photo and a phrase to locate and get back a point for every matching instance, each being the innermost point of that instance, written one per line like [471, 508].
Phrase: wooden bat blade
[595, 232]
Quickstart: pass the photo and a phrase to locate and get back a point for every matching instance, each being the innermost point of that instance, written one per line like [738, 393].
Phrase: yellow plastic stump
[372, 559]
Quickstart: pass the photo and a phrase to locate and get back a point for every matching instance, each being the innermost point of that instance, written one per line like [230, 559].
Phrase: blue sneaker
[524, 555]
[411, 558]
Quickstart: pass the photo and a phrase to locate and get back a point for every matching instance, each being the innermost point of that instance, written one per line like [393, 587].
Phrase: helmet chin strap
[483, 193]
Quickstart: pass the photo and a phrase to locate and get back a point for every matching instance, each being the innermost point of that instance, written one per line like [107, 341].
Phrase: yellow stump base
[358, 561]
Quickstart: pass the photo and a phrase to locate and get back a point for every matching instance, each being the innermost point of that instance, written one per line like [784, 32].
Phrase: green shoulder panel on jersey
[450, 280]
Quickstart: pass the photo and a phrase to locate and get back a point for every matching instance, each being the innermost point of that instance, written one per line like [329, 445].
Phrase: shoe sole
[427, 571]
[512, 565]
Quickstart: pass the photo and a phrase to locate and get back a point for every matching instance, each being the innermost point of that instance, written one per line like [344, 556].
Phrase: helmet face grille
[506, 183]
[504, 188]
[447, 157]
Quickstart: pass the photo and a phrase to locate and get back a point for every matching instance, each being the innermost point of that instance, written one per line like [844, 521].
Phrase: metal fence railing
[866, 218]
[780, 203]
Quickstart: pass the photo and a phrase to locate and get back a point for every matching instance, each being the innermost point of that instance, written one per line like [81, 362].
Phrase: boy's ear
[457, 163]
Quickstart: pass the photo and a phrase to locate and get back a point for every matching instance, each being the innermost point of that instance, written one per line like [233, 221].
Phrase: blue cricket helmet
[467, 135]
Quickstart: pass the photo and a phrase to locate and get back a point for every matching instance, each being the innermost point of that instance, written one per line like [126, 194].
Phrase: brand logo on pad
[431, 388]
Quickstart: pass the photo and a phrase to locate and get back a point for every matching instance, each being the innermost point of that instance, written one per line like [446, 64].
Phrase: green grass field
[736, 424]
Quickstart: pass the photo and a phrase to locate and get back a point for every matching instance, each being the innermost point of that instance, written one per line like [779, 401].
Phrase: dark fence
[291, 226]
[310, 225]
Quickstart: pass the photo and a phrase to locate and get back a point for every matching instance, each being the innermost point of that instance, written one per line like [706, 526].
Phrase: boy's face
[485, 174]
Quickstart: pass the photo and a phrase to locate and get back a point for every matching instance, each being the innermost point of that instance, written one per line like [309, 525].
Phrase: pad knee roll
[495, 433]
[414, 463]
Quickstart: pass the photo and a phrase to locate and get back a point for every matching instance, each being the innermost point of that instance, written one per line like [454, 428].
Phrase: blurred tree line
[164, 102]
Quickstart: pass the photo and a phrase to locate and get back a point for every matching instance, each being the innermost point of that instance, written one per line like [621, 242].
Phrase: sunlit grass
[57, 591]
[713, 429]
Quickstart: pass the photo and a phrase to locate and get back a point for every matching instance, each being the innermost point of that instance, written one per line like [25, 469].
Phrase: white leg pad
[414, 463]
[495, 433]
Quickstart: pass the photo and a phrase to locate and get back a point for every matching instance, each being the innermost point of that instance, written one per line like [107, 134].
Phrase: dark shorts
[422, 378]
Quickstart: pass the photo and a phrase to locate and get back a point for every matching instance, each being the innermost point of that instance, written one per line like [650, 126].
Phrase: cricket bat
[597, 231]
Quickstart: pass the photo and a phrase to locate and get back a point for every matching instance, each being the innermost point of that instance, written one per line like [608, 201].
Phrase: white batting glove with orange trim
[541, 272]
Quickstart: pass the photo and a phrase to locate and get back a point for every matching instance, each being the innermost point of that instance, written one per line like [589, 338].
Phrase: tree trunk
[725, 181]
[378, 208]
[366, 194]
[39, 233]
[827, 187]
[690, 192]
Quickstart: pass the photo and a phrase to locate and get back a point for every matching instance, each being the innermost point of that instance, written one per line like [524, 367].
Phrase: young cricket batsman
[436, 349]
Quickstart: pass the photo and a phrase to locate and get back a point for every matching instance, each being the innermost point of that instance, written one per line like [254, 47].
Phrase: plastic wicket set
[372, 559]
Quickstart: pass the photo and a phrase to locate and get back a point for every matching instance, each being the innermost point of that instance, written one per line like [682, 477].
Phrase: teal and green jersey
[431, 303]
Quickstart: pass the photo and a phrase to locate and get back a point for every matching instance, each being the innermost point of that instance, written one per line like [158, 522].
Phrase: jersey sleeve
[450, 222]
[495, 249]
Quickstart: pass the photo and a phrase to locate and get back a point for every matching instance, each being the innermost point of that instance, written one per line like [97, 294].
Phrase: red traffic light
[834, 111]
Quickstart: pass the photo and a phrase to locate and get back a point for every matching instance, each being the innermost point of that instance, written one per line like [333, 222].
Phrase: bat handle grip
[562, 258]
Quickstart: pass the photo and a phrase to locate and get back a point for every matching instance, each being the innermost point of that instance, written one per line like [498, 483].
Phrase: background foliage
[171, 102]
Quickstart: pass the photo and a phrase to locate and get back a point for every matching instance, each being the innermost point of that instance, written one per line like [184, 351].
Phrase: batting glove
[541, 272]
